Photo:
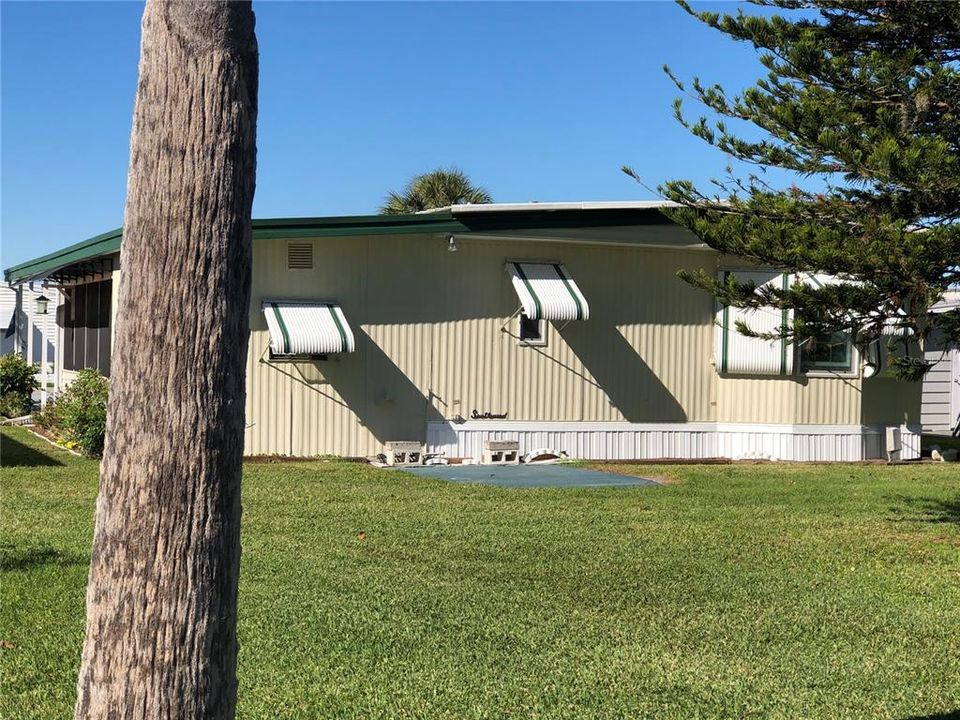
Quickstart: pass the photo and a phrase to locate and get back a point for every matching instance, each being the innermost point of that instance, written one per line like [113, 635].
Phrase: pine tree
[865, 98]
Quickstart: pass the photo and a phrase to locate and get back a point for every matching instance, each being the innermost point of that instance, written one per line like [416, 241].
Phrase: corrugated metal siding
[477, 363]
[431, 345]
[616, 441]
[648, 344]
[808, 401]
[626, 441]
[305, 408]
[434, 342]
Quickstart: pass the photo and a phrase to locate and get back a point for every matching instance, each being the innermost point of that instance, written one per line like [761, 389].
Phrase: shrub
[17, 383]
[48, 418]
[80, 413]
[15, 405]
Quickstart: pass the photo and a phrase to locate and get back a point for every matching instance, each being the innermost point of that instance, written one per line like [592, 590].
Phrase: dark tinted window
[79, 330]
[530, 330]
[827, 352]
[86, 326]
[65, 316]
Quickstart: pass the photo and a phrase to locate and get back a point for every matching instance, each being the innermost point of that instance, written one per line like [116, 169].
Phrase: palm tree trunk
[162, 593]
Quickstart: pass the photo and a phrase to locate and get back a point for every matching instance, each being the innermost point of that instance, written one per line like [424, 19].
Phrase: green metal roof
[440, 221]
[104, 244]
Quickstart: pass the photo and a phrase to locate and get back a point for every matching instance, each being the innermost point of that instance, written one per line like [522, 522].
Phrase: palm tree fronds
[435, 189]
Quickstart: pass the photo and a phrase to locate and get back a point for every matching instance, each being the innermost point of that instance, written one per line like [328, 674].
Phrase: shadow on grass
[927, 510]
[28, 558]
[14, 453]
[947, 715]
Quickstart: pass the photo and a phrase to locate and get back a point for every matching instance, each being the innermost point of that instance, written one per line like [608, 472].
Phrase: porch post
[28, 320]
[43, 360]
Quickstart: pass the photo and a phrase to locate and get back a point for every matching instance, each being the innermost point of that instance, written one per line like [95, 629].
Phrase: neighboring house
[940, 413]
[25, 331]
[561, 325]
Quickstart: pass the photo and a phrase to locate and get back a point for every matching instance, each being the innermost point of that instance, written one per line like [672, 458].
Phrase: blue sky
[535, 101]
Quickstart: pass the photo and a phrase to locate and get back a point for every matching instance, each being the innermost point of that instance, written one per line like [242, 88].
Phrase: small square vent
[300, 256]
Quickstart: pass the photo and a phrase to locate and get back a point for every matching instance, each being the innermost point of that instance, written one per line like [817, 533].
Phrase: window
[86, 326]
[827, 353]
[531, 331]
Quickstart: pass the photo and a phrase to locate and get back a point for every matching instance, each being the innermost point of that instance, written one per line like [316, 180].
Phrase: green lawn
[760, 591]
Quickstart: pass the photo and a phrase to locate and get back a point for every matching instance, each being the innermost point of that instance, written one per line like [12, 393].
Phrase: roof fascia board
[103, 244]
[347, 221]
[437, 225]
[109, 242]
[582, 241]
[468, 209]
[489, 220]
[553, 219]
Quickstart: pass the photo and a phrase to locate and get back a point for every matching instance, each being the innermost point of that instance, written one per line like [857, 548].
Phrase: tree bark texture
[162, 593]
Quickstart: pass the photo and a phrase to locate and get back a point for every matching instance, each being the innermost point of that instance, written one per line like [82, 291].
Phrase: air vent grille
[299, 256]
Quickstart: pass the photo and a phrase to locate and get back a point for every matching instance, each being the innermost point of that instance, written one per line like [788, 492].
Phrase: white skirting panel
[628, 441]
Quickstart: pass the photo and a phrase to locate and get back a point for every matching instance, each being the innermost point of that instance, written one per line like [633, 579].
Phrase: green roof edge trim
[347, 225]
[355, 225]
[103, 244]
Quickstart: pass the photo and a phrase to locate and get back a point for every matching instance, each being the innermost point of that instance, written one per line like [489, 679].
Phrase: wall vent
[299, 256]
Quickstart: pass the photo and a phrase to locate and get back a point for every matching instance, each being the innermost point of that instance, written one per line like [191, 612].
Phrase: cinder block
[501, 452]
[404, 452]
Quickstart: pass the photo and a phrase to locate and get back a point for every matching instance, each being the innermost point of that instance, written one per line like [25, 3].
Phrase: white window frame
[541, 324]
[853, 371]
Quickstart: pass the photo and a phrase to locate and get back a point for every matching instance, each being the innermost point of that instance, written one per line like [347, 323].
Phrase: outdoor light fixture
[871, 365]
[42, 302]
[451, 243]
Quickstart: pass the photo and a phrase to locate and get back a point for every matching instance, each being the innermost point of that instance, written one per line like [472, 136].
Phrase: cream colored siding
[296, 408]
[652, 362]
[796, 400]
[435, 341]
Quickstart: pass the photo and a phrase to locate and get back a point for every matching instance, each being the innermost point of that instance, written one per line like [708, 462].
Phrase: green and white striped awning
[304, 327]
[737, 354]
[547, 292]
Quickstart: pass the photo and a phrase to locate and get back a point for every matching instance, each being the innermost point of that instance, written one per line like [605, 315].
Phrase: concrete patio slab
[529, 476]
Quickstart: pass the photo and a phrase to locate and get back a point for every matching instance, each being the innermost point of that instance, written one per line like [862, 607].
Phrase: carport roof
[490, 218]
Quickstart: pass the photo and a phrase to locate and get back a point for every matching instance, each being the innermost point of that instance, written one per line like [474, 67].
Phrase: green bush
[79, 415]
[49, 417]
[17, 383]
[15, 405]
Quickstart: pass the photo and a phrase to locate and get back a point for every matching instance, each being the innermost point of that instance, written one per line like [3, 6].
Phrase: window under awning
[891, 326]
[547, 291]
[301, 327]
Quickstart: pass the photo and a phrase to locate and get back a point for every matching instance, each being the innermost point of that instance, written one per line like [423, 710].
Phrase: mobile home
[559, 325]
